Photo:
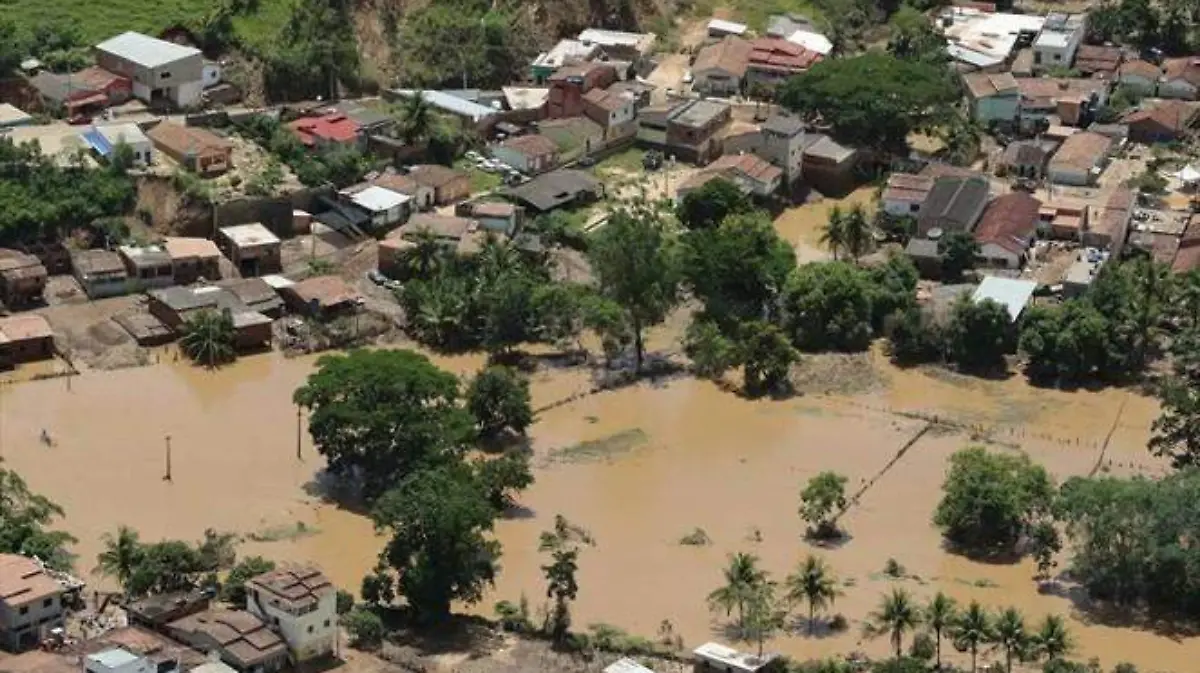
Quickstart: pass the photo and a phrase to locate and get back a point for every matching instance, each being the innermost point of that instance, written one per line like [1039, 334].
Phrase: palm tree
[972, 629]
[940, 614]
[812, 583]
[1010, 634]
[209, 337]
[121, 555]
[833, 236]
[1053, 639]
[416, 118]
[897, 614]
[742, 578]
[426, 254]
[856, 231]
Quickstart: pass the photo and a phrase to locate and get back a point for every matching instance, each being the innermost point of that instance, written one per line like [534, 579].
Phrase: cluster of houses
[290, 618]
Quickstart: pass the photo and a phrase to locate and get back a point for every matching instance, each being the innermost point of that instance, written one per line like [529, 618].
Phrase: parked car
[688, 78]
[375, 277]
[472, 155]
[586, 161]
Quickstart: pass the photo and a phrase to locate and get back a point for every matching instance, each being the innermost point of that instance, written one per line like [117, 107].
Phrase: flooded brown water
[656, 462]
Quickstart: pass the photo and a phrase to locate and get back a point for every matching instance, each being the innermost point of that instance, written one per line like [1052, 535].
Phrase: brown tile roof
[533, 145]
[293, 586]
[907, 187]
[731, 55]
[401, 184]
[97, 261]
[434, 175]
[609, 99]
[1046, 90]
[1186, 68]
[25, 327]
[1141, 68]
[22, 580]
[1081, 151]
[240, 634]
[97, 78]
[1093, 58]
[1173, 115]
[749, 165]
[1023, 153]
[187, 140]
[1009, 221]
[582, 70]
[493, 209]
[325, 291]
[982, 84]
[17, 265]
[1118, 210]
[778, 55]
[186, 247]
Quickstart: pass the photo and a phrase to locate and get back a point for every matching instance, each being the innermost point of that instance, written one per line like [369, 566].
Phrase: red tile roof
[748, 165]
[1186, 68]
[337, 128]
[773, 53]
[907, 187]
[1009, 221]
[1172, 115]
[1141, 68]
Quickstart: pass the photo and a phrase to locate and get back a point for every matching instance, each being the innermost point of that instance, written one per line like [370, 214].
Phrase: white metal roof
[249, 234]
[626, 665]
[617, 38]
[146, 51]
[1011, 293]
[452, 104]
[128, 133]
[728, 27]
[114, 658]
[12, 116]
[811, 41]
[278, 282]
[731, 658]
[992, 34]
[566, 50]
[376, 199]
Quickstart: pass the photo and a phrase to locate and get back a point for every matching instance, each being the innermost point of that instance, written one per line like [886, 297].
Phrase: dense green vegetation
[990, 500]
[144, 568]
[25, 519]
[209, 338]
[341, 166]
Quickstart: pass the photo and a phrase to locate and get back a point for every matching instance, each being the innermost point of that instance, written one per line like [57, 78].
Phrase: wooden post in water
[299, 433]
[167, 476]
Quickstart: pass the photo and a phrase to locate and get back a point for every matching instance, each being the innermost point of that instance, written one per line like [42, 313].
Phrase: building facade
[301, 604]
[159, 70]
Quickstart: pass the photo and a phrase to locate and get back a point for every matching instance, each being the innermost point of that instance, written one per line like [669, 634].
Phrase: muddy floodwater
[640, 468]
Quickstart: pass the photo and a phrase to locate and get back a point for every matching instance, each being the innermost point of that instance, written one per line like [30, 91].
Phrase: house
[692, 127]
[571, 82]
[719, 69]
[101, 273]
[1026, 158]
[302, 604]
[384, 207]
[782, 144]
[1063, 219]
[755, 175]
[496, 216]
[1187, 257]
[448, 185]
[953, 204]
[904, 194]
[718, 28]
[196, 149]
[174, 306]
[147, 267]
[1080, 159]
[1011, 293]
[458, 235]
[468, 112]
[333, 129]
[64, 93]
[533, 153]
[1117, 132]
[566, 52]
[30, 602]
[619, 45]
[926, 255]
[252, 248]
[158, 70]
[782, 25]
[1057, 43]
[557, 189]
[22, 279]
[115, 88]
[256, 294]
[1071, 99]
[1163, 121]
[11, 116]
[1181, 78]
[370, 120]
[25, 337]
[811, 40]
[321, 297]
[193, 259]
[992, 97]
[828, 165]
[157, 610]
[1139, 76]
[722, 659]
[117, 660]
[772, 61]
[423, 196]
[242, 640]
[104, 140]
[574, 137]
[978, 39]
[1163, 248]
[614, 110]
[1007, 229]
[1093, 60]
[1109, 229]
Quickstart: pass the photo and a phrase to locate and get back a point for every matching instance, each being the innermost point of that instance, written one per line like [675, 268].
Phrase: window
[165, 75]
[48, 602]
[914, 207]
[326, 623]
[1058, 57]
[310, 628]
[24, 610]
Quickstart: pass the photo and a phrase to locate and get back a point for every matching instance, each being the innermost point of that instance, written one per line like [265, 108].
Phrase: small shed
[626, 665]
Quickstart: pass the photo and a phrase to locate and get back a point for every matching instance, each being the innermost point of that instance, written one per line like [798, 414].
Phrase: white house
[30, 602]
[384, 206]
[211, 74]
[118, 660]
[717, 657]
[1058, 41]
[301, 605]
[783, 145]
[105, 139]
[159, 70]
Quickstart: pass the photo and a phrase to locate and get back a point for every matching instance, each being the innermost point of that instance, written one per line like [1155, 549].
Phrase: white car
[688, 78]
[472, 155]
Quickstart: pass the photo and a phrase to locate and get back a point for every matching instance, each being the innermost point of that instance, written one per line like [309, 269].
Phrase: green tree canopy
[827, 306]
[823, 498]
[209, 338]
[498, 398]
[990, 499]
[378, 415]
[737, 268]
[25, 518]
[813, 583]
[978, 334]
[234, 589]
[897, 614]
[711, 204]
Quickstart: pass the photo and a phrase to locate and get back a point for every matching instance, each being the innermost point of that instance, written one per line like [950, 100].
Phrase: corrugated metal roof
[146, 51]
[376, 198]
[1010, 293]
[452, 104]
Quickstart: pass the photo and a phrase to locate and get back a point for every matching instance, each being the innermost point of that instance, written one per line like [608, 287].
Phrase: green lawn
[756, 13]
[481, 181]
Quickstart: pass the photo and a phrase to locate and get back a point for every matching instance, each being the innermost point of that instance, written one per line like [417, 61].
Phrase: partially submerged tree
[990, 499]
[563, 543]
[209, 338]
[897, 614]
[812, 583]
[498, 398]
[972, 630]
[821, 501]
[742, 577]
[940, 615]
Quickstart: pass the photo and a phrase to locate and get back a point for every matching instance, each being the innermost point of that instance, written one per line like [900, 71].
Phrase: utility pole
[167, 476]
[298, 433]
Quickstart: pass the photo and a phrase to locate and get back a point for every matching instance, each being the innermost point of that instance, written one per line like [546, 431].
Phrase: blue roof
[452, 104]
[1010, 293]
[97, 142]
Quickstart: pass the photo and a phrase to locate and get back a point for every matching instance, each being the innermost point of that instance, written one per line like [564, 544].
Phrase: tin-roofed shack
[174, 306]
[22, 278]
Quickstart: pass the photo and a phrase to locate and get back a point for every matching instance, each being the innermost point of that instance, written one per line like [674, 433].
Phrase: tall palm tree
[209, 337]
[416, 118]
[856, 231]
[972, 629]
[1010, 634]
[1052, 639]
[426, 254]
[833, 236]
[812, 583]
[940, 614]
[897, 614]
[742, 577]
[121, 555]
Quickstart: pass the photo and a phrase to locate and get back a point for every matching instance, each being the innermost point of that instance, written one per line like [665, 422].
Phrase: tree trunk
[638, 345]
[811, 618]
[938, 648]
[1008, 660]
[898, 641]
[974, 655]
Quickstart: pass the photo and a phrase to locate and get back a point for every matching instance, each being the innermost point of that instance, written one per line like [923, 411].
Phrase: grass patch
[599, 449]
[481, 180]
[625, 161]
[280, 533]
[756, 13]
